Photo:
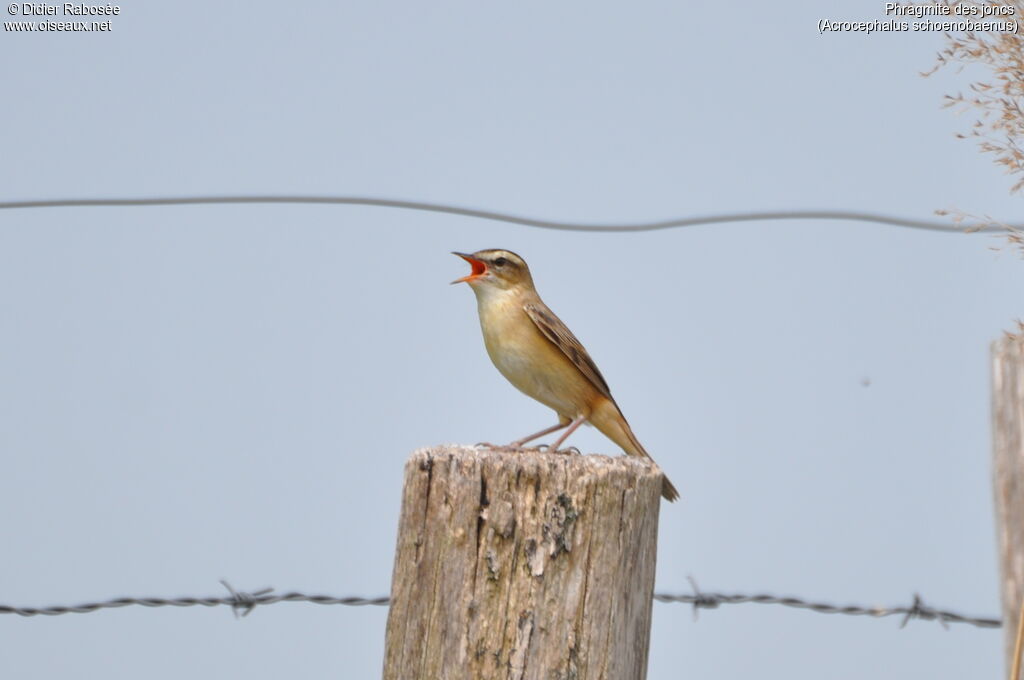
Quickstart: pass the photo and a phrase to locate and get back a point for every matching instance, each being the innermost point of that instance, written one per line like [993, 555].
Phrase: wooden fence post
[1008, 476]
[523, 566]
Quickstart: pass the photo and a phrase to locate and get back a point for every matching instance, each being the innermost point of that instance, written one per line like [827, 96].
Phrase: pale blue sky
[196, 393]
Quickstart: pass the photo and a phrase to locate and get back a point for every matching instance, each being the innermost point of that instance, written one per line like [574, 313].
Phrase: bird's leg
[554, 428]
[565, 435]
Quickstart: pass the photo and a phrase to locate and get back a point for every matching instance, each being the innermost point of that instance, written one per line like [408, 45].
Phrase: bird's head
[496, 269]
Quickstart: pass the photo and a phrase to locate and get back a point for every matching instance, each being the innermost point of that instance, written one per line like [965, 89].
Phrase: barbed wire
[425, 206]
[917, 610]
[242, 603]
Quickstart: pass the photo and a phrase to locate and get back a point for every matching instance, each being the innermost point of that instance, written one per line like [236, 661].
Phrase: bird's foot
[569, 451]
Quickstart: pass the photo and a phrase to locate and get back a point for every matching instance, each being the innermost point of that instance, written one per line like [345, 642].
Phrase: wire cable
[242, 603]
[424, 206]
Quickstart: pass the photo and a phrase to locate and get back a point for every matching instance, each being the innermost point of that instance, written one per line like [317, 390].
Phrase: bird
[541, 357]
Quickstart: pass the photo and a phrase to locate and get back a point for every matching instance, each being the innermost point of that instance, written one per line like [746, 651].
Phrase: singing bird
[540, 356]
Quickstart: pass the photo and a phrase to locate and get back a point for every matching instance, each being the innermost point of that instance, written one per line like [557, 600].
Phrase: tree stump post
[1008, 477]
[523, 566]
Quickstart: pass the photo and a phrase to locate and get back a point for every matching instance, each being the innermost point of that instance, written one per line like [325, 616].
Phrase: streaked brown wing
[557, 332]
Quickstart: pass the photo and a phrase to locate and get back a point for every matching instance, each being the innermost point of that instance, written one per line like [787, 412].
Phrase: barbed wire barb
[244, 602]
[918, 610]
[699, 600]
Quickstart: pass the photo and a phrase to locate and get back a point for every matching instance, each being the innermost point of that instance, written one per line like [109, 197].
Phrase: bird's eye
[501, 262]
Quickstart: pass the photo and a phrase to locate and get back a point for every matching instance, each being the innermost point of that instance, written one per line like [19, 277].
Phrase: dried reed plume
[999, 126]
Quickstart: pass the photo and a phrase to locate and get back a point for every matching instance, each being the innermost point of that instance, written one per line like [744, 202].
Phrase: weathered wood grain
[523, 566]
[1008, 476]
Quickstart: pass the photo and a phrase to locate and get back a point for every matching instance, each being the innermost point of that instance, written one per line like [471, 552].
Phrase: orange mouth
[479, 268]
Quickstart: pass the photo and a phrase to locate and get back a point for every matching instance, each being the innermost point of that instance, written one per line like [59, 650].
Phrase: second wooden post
[1008, 477]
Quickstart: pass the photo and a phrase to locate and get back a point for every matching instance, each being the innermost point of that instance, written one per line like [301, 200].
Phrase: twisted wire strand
[242, 603]
[917, 610]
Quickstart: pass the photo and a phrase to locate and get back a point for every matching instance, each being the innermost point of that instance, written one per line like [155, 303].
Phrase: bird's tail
[609, 420]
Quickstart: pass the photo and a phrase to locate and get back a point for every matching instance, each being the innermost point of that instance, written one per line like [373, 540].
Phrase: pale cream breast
[531, 362]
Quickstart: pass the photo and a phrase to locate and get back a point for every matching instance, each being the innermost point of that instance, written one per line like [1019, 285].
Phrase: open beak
[479, 268]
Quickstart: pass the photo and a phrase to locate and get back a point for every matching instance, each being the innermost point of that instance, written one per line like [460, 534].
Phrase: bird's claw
[569, 451]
